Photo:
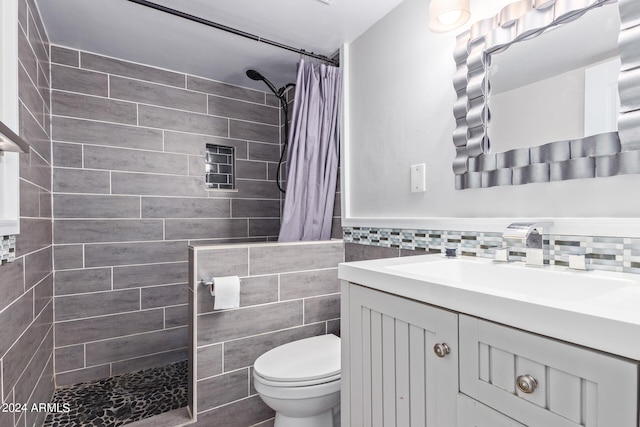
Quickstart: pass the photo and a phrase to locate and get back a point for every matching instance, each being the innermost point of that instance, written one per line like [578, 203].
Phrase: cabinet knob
[441, 349]
[526, 383]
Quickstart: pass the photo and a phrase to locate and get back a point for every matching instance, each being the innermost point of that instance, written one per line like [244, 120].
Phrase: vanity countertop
[595, 309]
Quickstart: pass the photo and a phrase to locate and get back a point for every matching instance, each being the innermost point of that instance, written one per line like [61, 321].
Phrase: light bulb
[448, 18]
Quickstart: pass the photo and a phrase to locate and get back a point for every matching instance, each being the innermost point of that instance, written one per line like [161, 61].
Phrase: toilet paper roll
[226, 291]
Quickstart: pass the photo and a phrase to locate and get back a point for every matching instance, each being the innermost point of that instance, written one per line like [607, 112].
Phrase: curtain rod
[231, 30]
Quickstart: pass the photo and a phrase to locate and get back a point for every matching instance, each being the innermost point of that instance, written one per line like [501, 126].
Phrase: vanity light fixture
[447, 15]
[542, 4]
[11, 142]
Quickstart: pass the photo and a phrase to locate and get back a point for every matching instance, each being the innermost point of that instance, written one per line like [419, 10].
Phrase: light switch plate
[418, 178]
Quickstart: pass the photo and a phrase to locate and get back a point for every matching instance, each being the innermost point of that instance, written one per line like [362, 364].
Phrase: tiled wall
[619, 254]
[129, 196]
[26, 285]
[288, 292]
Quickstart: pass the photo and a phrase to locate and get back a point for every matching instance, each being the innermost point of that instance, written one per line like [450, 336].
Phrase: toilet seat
[301, 363]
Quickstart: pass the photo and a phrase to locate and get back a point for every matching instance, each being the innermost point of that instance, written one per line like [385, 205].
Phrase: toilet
[301, 381]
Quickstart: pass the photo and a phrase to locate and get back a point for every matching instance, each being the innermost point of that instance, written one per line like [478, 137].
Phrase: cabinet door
[396, 378]
[472, 413]
[539, 381]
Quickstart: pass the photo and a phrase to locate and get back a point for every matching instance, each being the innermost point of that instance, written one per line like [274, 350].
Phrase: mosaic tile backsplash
[8, 249]
[618, 254]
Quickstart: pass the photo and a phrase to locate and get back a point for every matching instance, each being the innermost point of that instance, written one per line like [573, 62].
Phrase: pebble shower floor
[122, 399]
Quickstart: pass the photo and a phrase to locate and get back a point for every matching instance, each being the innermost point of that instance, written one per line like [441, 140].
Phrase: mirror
[580, 138]
[567, 90]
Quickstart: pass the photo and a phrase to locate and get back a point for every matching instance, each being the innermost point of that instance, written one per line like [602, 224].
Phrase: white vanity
[436, 342]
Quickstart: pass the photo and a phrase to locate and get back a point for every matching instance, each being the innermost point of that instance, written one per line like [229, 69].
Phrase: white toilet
[301, 381]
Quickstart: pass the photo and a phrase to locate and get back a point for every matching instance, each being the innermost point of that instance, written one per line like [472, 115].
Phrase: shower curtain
[312, 155]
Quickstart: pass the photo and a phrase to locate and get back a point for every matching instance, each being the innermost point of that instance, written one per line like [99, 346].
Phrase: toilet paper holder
[208, 284]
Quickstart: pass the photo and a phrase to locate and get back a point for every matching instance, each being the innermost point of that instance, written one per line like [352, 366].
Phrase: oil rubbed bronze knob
[441, 350]
[526, 383]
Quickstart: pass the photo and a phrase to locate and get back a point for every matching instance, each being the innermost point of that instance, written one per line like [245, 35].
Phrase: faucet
[531, 233]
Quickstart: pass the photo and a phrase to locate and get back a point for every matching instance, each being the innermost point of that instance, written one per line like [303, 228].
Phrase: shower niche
[220, 167]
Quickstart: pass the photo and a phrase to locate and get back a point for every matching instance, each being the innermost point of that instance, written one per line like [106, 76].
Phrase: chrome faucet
[531, 233]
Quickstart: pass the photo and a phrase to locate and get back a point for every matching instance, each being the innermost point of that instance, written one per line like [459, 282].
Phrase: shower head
[255, 75]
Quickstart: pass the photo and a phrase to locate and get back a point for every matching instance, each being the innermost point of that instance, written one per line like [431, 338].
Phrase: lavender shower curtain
[312, 155]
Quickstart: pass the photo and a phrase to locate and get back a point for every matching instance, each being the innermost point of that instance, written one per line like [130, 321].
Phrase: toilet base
[324, 419]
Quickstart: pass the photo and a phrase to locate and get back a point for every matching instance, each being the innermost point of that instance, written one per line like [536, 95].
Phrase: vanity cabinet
[395, 376]
[409, 363]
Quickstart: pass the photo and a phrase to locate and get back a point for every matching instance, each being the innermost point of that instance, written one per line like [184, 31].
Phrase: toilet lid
[307, 359]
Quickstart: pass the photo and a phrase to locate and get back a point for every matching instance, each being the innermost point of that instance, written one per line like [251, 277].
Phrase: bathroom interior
[478, 258]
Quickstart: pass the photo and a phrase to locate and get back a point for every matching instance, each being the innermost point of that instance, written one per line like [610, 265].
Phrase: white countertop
[607, 321]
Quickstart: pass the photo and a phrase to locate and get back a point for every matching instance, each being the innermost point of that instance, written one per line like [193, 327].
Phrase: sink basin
[515, 279]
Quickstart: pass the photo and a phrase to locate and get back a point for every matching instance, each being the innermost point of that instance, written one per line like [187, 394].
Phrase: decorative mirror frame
[602, 155]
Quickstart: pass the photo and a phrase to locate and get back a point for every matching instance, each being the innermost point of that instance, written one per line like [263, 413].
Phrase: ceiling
[126, 30]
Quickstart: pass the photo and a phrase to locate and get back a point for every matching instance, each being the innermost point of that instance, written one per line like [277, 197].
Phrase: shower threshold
[122, 399]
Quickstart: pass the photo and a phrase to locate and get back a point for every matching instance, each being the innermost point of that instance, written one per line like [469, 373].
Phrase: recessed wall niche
[219, 167]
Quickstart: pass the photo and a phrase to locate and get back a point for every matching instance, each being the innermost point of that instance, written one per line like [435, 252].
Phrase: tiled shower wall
[26, 285]
[129, 196]
[289, 291]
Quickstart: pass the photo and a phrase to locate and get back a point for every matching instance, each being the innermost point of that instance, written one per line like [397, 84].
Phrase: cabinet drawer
[560, 384]
[472, 413]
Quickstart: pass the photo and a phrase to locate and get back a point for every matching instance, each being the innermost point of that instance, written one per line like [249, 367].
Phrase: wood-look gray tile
[67, 155]
[264, 152]
[29, 199]
[46, 200]
[105, 327]
[68, 256]
[14, 361]
[76, 80]
[157, 185]
[28, 381]
[333, 327]
[64, 56]
[232, 324]
[43, 294]
[146, 362]
[357, 252]
[35, 134]
[164, 118]
[130, 347]
[249, 189]
[110, 230]
[253, 291]
[83, 375]
[164, 296]
[42, 392]
[154, 94]
[110, 158]
[188, 143]
[91, 61]
[309, 283]
[37, 36]
[254, 131]
[223, 262]
[251, 170]
[264, 227]
[92, 107]
[134, 276]
[159, 207]
[110, 134]
[241, 208]
[37, 266]
[223, 89]
[205, 228]
[114, 254]
[71, 307]
[318, 309]
[69, 358]
[308, 256]
[30, 96]
[177, 315]
[242, 110]
[222, 389]
[90, 206]
[80, 181]
[12, 279]
[35, 169]
[209, 361]
[35, 234]
[244, 352]
[70, 282]
[26, 55]
[245, 412]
